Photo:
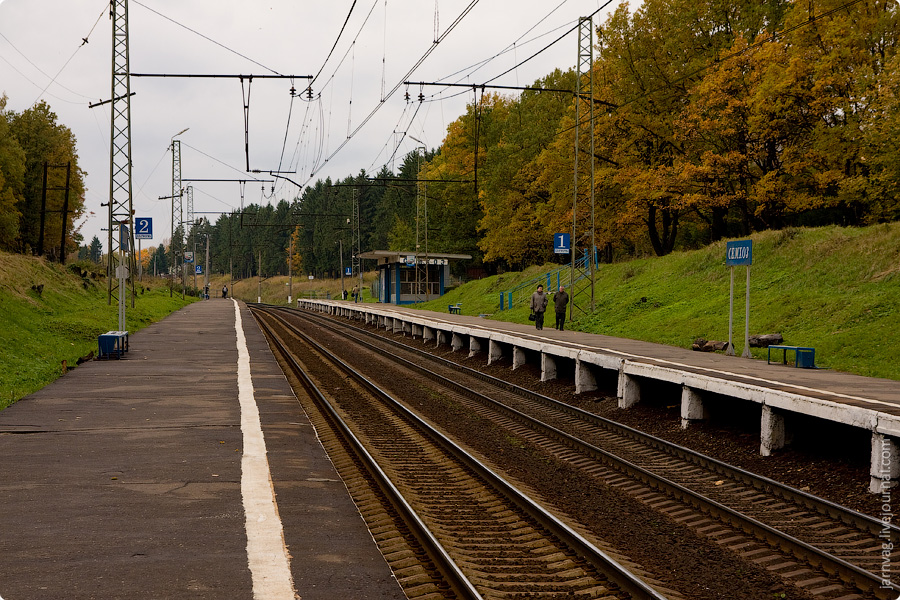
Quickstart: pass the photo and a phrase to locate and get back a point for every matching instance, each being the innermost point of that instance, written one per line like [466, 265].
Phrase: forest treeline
[711, 119]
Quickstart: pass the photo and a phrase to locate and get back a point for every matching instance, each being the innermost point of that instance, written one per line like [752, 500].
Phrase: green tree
[12, 173]
[96, 250]
[46, 141]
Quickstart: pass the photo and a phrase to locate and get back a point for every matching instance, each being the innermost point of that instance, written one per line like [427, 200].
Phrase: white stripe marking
[266, 552]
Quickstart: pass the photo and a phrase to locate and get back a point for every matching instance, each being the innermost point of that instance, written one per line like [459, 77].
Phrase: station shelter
[408, 278]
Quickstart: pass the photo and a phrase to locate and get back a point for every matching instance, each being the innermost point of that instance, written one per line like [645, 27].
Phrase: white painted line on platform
[266, 552]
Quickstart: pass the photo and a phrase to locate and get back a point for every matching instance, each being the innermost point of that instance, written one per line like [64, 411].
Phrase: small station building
[407, 278]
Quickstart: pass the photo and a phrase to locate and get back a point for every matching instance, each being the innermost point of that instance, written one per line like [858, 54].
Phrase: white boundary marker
[267, 554]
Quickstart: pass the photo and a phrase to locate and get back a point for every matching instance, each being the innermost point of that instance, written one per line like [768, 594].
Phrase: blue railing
[521, 294]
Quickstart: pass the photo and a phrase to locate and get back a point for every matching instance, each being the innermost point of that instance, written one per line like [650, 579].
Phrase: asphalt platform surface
[123, 478]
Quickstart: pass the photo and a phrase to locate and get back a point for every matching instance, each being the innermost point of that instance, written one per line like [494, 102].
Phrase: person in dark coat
[560, 301]
[224, 291]
[539, 306]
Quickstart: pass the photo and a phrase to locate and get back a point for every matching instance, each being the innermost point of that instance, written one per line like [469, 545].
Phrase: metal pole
[65, 216]
[194, 264]
[291, 271]
[746, 353]
[259, 280]
[729, 350]
[341, 250]
[43, 211]
[206, 268]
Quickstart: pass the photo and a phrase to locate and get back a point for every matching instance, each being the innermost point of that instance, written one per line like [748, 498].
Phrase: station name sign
[739, 253]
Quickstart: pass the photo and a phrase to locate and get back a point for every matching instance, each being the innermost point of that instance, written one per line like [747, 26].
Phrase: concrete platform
[123, 479]
[781, 392]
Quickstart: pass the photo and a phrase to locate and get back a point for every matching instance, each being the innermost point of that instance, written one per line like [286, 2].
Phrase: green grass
[835, 289]
[40, 330]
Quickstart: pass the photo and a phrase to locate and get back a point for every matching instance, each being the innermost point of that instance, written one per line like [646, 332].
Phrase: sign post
[143, 230]
[736, 254]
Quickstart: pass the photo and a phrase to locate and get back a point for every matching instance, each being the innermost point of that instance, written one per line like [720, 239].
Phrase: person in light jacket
[560, 301]
[539, 306]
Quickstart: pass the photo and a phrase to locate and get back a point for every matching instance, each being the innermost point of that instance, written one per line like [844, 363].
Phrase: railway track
[821, 547]
[472, 534]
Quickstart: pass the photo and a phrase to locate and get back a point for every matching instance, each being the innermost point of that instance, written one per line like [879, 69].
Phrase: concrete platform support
[427, 334]
[548, 367]
[584, 378]
[398, 326]
[885, 470]
[772, 435]
[495, 351]
[442, 338]
[416, 330]
[691, 407]
[629, 391]
[457, 343]
[518, 357]
[474, 346]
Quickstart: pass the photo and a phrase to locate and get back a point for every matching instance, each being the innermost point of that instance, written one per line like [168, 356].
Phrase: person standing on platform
[560, 301]
[224, 291]
[539, 306]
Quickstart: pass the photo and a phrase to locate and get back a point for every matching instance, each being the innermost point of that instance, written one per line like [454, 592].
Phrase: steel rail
[863, 579]
[455, 578]
[605, 564]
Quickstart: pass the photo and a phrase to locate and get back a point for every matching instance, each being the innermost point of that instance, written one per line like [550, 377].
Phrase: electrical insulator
[309, 93]
[421, 97]
[293, 91]
[407, 97]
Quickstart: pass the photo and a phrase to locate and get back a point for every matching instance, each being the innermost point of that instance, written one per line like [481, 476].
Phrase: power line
[418, 63]
[205, 37]
[338, 39]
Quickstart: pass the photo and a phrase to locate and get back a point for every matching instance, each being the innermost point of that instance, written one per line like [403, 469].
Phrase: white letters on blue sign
[739, 253]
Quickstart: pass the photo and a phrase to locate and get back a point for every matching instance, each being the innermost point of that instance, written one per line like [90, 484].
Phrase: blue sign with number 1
[561, 243]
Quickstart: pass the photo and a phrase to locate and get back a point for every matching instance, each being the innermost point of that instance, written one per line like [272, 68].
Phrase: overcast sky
[43, 56]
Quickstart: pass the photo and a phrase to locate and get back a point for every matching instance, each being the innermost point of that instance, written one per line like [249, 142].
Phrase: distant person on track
[560, 301]
[539, 306]
[224, 291]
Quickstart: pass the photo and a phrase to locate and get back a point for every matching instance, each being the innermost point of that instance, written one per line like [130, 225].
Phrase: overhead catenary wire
[206, 37]
[53, 79]
[418, 63]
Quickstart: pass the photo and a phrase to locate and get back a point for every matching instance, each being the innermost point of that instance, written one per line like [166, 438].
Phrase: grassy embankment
[835, 289]
[61, 322]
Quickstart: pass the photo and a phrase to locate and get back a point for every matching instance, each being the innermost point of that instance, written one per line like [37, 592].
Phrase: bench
[112, 344]
[803, 357]
[455, 308]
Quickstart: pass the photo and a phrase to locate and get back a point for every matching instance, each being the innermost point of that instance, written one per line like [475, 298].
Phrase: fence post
[501, 301]
[510, 300]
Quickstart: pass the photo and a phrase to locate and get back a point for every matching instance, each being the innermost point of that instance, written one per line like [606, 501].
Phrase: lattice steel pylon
[177, 214]
[121, 234]
[356, 242]
[581, 281]
[422, 283]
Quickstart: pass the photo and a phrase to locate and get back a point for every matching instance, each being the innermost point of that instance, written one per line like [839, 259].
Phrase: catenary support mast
[581, 281]
[121, 234]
